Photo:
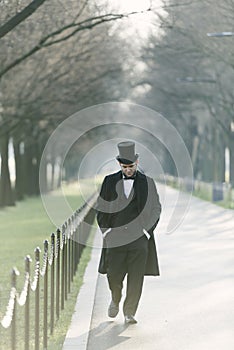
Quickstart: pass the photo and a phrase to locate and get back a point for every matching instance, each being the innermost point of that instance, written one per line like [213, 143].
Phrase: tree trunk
[31, 165]
[18, 170]
[36, 166]
[43, 181]
[52, 174]
[222, 162]
[231, 148]
[6, 193]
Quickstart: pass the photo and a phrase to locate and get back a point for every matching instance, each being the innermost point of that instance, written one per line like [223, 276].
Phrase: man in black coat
[128, 210]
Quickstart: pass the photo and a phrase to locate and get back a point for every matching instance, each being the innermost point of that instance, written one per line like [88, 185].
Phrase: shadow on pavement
[105, 336]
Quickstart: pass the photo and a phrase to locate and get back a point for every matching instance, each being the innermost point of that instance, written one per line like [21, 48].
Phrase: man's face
[129, 169]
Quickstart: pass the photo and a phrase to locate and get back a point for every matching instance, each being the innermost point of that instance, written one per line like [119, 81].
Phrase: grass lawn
[22, 229]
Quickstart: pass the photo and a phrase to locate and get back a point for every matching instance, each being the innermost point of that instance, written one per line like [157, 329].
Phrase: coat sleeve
[102, 215]
[155, 206]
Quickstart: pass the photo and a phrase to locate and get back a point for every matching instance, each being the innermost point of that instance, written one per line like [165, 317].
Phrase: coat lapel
[140, 186]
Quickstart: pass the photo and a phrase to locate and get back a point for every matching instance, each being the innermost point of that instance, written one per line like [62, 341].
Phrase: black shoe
[129, 319]
[113, 309]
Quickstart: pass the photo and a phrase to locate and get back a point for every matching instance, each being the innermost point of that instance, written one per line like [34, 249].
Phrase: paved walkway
[189, 307]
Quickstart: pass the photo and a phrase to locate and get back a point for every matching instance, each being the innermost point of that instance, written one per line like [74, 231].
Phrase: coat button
[126, 227]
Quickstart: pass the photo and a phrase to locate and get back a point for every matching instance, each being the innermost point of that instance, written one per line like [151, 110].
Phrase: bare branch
[87, 24]
[20, 17]
[166, 6]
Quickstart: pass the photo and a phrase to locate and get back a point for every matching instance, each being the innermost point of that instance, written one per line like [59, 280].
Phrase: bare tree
[75, 72]
[191, 77]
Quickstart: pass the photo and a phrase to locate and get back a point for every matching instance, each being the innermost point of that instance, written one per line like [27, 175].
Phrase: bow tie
[130, 177]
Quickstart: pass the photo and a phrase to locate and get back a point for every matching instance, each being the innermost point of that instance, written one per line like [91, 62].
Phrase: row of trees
[58, 58]
[190, 80]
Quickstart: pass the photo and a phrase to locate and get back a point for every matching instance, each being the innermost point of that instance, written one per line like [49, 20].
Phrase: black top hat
[126, 152]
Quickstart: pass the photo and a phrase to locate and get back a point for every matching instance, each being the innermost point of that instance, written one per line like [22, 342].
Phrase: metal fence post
[76, 250]
[45, 320]
[65, 258]
[15, 273]
[58, 274]
[73, 247]
[63, 268]
[27, 304]
[37, 299]
[52, 283]
[72, 257]
[69, 265]
[69, 255]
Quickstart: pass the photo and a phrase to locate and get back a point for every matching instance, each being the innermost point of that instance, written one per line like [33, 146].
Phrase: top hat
[126, 152]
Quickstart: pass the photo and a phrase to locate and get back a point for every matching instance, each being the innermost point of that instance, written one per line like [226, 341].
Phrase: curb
[78, 332]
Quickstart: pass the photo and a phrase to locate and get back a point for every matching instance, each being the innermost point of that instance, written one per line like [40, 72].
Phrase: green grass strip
[22, 229]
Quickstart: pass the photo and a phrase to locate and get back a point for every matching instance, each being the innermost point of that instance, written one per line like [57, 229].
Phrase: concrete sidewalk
[189, 307]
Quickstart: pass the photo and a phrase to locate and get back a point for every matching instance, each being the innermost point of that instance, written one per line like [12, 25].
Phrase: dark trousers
[128, 259]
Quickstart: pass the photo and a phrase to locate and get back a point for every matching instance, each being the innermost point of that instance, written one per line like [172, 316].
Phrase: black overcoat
[149, 209]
